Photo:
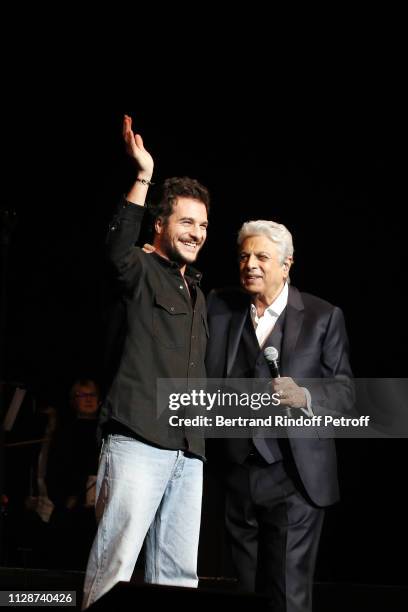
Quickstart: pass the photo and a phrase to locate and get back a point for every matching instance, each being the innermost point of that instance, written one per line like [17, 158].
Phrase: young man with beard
[150, 480]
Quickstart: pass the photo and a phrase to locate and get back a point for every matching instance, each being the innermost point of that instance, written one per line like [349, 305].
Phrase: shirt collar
[193, 275]
[278, 305]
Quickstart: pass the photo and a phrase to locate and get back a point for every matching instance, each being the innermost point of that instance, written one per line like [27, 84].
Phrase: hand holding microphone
[290, 394]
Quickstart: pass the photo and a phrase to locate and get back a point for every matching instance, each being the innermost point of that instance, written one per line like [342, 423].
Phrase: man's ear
[287, 264]
[158, 225]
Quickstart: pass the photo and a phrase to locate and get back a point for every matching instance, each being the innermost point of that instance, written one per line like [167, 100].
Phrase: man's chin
[251, 288]
[190, 256]
[184, 258]
[189, 260]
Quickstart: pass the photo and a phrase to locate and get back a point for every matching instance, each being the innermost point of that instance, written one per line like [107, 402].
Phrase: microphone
[271, 355]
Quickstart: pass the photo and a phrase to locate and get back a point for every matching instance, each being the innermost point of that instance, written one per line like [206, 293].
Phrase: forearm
[143, 163]
[124, 231]
[333, 396]
[334, 393]
[138, 192]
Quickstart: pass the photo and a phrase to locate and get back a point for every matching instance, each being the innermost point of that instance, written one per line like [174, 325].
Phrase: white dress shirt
[264, 325]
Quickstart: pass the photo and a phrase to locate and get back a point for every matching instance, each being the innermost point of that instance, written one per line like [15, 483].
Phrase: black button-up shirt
[166, 335]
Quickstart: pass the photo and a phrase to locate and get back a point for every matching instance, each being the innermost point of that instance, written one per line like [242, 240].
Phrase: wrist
[144, 178]
[146, 173]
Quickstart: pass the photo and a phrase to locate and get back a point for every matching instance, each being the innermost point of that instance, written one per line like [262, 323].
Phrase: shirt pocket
[170, 322]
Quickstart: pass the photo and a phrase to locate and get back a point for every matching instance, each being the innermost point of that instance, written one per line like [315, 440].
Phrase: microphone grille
[271, 353]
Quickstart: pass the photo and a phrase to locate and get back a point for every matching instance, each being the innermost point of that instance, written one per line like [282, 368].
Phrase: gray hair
[276, 232]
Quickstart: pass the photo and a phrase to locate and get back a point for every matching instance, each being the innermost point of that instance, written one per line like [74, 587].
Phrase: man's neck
[158, 251]
[262, 302]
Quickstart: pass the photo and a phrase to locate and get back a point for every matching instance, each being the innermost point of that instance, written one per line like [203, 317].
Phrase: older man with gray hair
[277, 489]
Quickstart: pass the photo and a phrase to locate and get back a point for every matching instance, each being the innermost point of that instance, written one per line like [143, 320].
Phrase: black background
[328, 166]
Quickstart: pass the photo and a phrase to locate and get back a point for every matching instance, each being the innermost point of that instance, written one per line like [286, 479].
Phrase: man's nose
[251, 262]
[196, 232]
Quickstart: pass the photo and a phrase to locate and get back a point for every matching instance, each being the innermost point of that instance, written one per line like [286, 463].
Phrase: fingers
[128, 135]
[289, 393]
[284, 387]
[127, 125]
[139, 141]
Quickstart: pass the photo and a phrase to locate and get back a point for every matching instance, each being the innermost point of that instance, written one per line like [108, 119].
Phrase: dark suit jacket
[314, 345]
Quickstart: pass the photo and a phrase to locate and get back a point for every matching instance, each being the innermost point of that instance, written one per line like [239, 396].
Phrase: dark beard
[174, 255]
[177, 257]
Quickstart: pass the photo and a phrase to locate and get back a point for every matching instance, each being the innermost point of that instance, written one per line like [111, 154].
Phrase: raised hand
[136, 150]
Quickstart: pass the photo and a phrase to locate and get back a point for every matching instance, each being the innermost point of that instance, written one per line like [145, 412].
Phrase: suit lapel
[293, 324]
[236, 327]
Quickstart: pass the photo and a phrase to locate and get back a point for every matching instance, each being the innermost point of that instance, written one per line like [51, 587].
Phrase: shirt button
[181, 286]
[172, 308]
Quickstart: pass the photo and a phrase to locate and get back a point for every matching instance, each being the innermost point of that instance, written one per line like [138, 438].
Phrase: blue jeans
[144, 490]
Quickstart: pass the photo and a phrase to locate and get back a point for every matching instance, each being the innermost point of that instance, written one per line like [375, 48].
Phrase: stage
[215, 593]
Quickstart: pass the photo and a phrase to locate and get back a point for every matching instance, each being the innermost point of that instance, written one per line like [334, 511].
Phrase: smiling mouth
[191, 246]
[252, 277]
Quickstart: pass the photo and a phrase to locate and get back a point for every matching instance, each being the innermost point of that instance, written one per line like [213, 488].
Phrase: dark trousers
[274, 533]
